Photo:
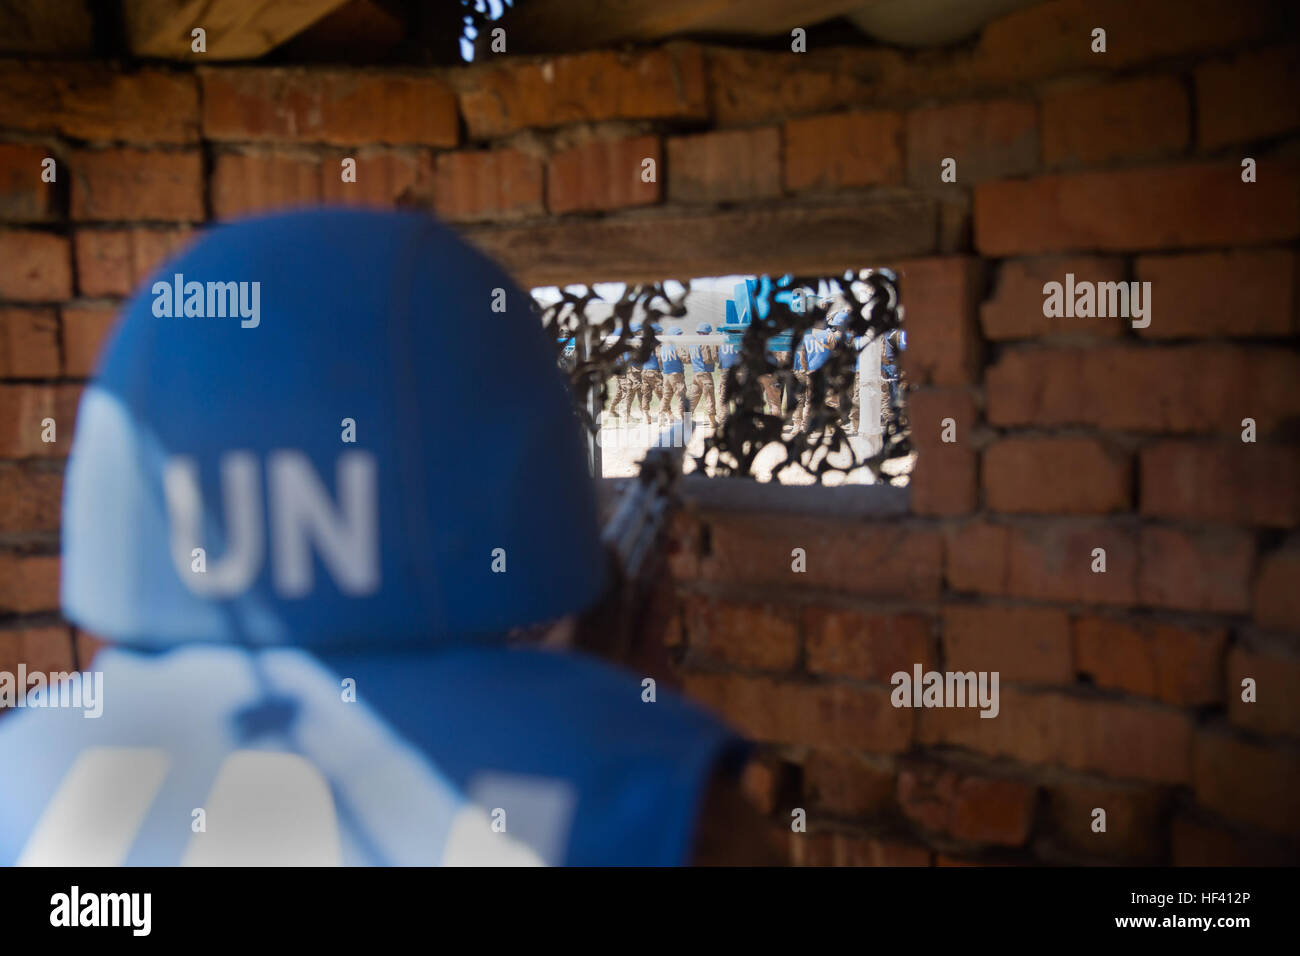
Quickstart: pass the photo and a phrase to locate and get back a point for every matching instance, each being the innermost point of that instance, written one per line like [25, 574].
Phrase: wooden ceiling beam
[235, 29]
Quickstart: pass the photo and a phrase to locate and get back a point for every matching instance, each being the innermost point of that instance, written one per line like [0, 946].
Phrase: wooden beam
[666, 244]
[46, 26]
[549, 25]
[236, 29]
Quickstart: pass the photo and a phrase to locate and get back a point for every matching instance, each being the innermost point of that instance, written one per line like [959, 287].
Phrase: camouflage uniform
[627, 389]
[674, 387]
[702, 388]
[652, 385]
[771, 386]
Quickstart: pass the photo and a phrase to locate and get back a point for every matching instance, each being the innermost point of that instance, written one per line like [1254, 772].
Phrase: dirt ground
[623, 445]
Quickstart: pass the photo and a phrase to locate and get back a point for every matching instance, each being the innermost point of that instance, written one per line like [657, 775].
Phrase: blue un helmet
[213, 493]
[704, 328]
[675, 331]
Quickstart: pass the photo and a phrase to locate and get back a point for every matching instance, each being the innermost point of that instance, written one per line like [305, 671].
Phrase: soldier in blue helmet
[628, 381]
[673, 359]
[310, 604]
[652, 379]
[703, 360]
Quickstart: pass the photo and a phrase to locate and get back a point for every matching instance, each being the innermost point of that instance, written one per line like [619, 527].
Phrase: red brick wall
[1119, 690]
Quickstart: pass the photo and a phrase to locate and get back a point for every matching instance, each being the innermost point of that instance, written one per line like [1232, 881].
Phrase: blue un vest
[698, 362]
[434, 749]
[669, 359]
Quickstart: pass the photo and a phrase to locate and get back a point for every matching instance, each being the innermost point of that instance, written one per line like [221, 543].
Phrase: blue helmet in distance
[839, 319]
[656, 327]
[258, 459]
[634, 325]
[675, 331]
[704, 328]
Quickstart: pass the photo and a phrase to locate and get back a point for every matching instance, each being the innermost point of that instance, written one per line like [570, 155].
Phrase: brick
[761, 782]
[245, 184]
[843, 150]
[1234, 482]
[1193, 389]
[750, 86]
[1135, 818]
[1113, 738]
[880, 559]
[1052, 39]
[97, 102]
[945, 481]
[29, 583]
[1056, 475]
[1234, 294]
[22, 409]
[1197, 571]
[336, 107]
[824, 715]
[382, 178]
[969, 807]
[1242, 100]
[489, 184]
[115, 262]
[603, 174]
[1249, 782]
[728, 166]
[989, 139]
[1198, 842]
[1176, 665]
[1276, 708]
[24, 196]
[748, 636]
[29, 343]
[1015, 310]
[1045, 561]
[1277, 599]
[1166, 207]
[38, 266]
[939, 298]
[128, 184]
[868, 646]
[85, 330]
[87, 646]
[1128, 119]
[30, 499]
[44, 649]
[927, 408]
[944, 478]
[837, 849]
[1024, 645]
[665, 83]
[849, 784]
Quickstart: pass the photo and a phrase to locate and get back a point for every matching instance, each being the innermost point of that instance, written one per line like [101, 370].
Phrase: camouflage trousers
[771, 387]
[805, 394]
[674, 387]
[627, 390]
[702, 389]
[652, 385]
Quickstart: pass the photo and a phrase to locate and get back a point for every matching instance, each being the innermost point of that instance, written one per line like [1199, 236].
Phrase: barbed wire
[783, 316]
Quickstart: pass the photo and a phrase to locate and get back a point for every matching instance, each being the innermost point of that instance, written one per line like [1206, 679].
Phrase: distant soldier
[728, 358]
[771, 385]
[627, 381]
[703, 360]
[652, 380]
[672, 359]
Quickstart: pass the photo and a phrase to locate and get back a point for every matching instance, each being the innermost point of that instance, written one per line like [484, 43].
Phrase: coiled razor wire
[603, 346]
